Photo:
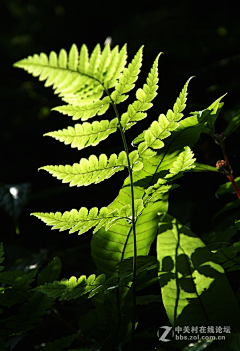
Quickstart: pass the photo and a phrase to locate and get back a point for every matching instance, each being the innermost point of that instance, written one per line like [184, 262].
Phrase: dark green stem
[133, 222]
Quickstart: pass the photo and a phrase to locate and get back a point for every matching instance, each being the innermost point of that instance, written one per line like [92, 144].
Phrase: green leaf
[227, 257]
[86, 134]
[91, 171]
[110, 247]
[18, 280]
[210, 115]
[229, 206]
[184, 162]
[144, 98]
[190, 279]
[116, 66]
[128, 78]
[81, 220]
[50, 272]
[162, 128]
[76, 77]
[228, 187]
[200, 167]
[72, 288]
[30, 313]
[233, 125]
[84, 111]
[155, 192]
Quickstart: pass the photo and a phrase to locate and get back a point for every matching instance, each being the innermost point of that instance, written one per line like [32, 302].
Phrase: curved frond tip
[77, 74]
[144, 97]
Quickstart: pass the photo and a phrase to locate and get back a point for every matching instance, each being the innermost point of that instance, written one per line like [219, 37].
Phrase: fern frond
[18, 280]
[75, 76]
[162, 128]
[30, 313]
[72, 288]
[184, 162]
[116, 66]
[144, 98]
[84, 112]
[86, 134]
[93, 170]
[155, 192]
[81, 220]
[128, 78]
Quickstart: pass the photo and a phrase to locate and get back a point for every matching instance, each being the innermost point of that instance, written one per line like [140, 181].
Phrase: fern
[128, 78]
[86, 134]
[81, 220]
[75, 75]
[162, 129]
[144, 98]
[125, 230]
[72, 288]
[94, 170]
[84, 112]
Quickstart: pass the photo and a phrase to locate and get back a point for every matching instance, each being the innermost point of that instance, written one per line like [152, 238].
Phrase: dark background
[198, 39]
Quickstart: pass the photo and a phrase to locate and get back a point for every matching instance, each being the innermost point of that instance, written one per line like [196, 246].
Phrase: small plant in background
[194, 288]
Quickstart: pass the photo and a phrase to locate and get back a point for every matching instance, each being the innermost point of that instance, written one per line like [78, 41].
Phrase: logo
[164, 334]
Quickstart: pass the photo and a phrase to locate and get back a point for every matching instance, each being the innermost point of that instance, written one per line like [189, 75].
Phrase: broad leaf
[210, 115]
[228, 187]
[200, 167]
[233, 125]
[190, 279]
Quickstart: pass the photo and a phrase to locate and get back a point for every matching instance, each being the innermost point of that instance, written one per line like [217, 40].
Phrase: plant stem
[219, 139]
[230, 176]
[133, 223]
